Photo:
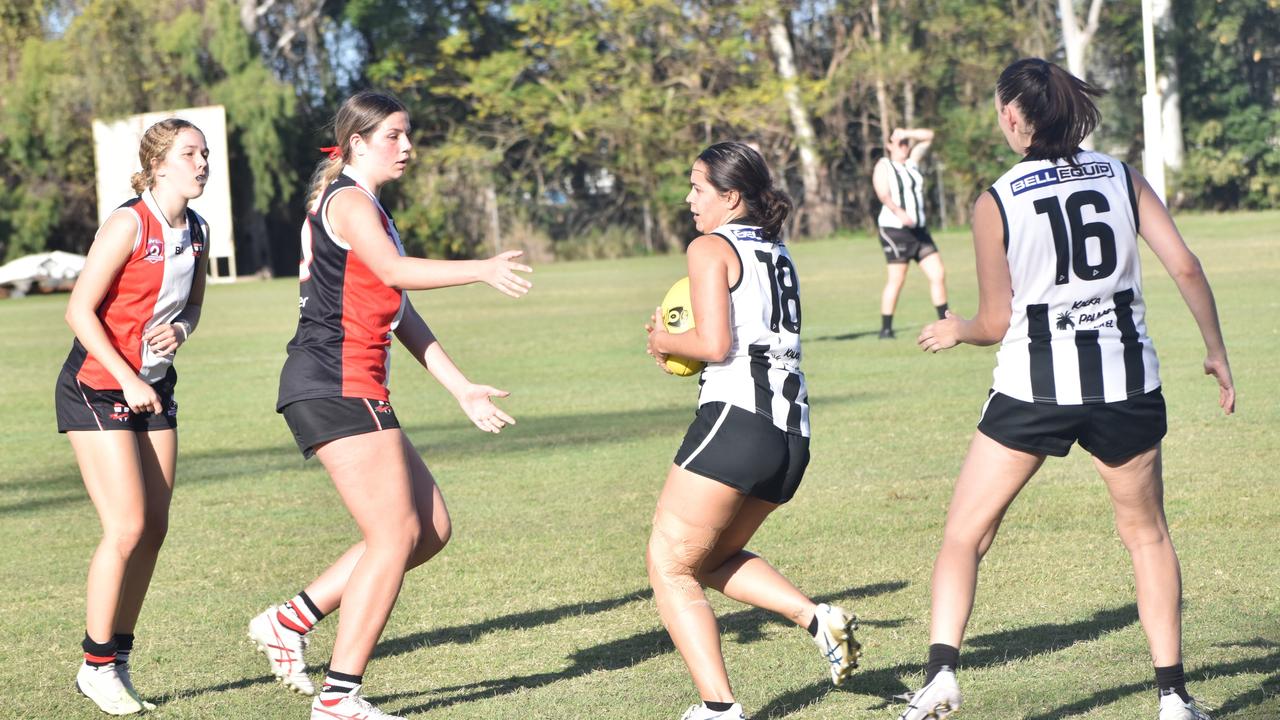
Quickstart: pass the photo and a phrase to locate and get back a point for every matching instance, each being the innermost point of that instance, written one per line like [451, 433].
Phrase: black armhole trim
[736, 254]
[1133, 195]
[193, 224]
[1004, 219]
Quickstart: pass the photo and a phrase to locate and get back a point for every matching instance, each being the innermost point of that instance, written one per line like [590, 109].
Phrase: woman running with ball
[135, 303]
[333, 394]
[747, 449]
[1056, 241]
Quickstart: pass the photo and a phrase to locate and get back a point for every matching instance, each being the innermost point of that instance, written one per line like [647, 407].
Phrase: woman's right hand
[140, 397]
[1221, 371]
[500, 273]
[907, 220]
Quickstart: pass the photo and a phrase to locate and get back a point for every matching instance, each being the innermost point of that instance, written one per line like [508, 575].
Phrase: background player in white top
[133, 306]
[903, 231]
[1089, 208]
[746, 451]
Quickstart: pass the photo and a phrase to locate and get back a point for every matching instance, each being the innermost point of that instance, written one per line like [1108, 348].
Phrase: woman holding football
[746, 451]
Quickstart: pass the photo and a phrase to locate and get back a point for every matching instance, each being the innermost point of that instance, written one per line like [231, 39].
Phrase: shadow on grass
[858, 335]
[240, 684]
[464, 634]
[1245, 705]
[455, 437]
[988, 650]
[746, 626]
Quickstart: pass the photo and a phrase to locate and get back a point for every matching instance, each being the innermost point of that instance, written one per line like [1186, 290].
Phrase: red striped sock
[299, 614]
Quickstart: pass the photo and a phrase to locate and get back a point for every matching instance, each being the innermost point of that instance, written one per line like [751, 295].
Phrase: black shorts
[80, 407]
[1109, 431]
[319, 420]
[902, 245]
[745, 451]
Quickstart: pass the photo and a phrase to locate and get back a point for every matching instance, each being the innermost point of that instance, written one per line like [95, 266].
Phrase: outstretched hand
[1221, 371]
[653, 327]
[942, 334]
[476, 402]
[500, 273]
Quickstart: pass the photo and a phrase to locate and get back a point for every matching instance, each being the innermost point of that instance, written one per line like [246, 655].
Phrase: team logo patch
[173, 409]
[155, 250]
[1061, 174]
[197, 248]
[119, 412]
[382, 406]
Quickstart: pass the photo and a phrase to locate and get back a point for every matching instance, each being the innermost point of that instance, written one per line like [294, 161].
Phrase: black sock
[942, 310]
[340, 683]
[717, 706]
[941, 657]
[98, 654]
[124, 646]
[1172, 680]
[886, 322]
[813, 625]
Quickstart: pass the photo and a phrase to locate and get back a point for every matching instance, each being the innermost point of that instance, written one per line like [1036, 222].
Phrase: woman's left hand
[940, 335]
[476, 403]
[165, 339]
[655, 328]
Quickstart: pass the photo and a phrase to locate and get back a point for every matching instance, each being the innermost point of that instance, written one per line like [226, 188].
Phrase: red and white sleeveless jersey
[761, 373]
[1077, 334]
[345, 313]
[151, 289]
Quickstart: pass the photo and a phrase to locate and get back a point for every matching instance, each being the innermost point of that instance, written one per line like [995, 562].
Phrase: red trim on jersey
[130, 301]
[368, 309]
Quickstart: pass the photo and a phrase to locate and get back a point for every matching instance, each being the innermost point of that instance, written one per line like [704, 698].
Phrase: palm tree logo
[1064, 320]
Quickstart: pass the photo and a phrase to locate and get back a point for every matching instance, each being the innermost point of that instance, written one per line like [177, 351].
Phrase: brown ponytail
[359, 115]
[1058, 105]
[736, 166]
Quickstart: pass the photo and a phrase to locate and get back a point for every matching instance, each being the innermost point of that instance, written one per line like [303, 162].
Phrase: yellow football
[677, 317]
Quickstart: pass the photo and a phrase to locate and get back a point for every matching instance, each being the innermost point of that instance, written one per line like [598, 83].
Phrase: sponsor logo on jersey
[1061, 174]
[178, 250]
[155, 250]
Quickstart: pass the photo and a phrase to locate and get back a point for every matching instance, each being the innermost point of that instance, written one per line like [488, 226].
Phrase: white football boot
[1173, 707]
[283, 648]
[702, 712]
[934, 701]
[122, 670]
[102, 685]
[836, 642]
[349, 706]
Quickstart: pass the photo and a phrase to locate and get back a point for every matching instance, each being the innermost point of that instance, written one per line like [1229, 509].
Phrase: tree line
[566, 127]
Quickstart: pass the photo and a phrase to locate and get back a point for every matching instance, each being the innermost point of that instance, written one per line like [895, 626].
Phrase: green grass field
[540, 607]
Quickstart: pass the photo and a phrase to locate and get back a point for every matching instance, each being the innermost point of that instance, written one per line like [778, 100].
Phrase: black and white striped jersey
[762, 371]
[906, 187]
[1077, 334]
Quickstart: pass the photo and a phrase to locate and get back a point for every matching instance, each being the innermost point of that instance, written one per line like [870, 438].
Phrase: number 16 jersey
[761, 373]
[1077, 334]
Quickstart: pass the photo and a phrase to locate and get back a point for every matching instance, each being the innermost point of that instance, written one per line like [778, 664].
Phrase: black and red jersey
[345, 313]
[151, 289]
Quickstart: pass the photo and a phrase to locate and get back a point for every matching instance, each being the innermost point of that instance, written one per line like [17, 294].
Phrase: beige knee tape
[677, 548]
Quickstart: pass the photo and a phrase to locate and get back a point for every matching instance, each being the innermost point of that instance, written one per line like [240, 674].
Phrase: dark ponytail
[738, 167]
[1058, 106]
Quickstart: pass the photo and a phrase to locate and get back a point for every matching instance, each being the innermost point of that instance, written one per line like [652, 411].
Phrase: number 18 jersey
[761, 373]
[1077, 334]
